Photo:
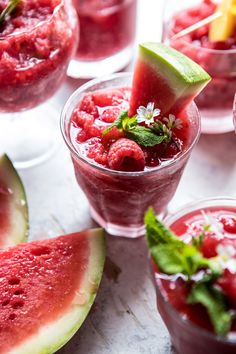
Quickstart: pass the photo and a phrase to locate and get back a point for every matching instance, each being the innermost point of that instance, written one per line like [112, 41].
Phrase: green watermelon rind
[180, 72]
[53, 336]
[19, 217]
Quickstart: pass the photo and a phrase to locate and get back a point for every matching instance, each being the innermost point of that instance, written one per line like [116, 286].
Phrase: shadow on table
[124, 319]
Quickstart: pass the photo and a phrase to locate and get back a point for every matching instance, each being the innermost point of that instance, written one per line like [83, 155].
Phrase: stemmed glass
[34, 60]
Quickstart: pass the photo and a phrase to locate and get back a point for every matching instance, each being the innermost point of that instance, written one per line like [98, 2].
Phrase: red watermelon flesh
[40, 281]
[165, 77]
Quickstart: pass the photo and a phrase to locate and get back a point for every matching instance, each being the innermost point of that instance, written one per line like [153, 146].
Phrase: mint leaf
[144, 136]
[8, 10]
[170, 253]
[214, 301]
[118, 123]
[156, 231]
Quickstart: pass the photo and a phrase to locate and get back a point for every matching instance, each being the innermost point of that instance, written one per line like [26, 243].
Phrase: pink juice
[189, 325]
[37, 42]
[106, 27]
[120, 178]
[218, 59]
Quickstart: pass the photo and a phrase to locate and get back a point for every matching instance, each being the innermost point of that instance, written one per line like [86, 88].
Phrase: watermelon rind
[19, 219]
[182, 73]
[54, 335]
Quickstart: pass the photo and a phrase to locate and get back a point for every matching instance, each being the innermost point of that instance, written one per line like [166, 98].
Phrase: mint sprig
[174, 256]
[144, 136]
[8, 10]
[213, 300]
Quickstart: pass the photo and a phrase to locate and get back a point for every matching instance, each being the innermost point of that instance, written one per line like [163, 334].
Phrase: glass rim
[181, 211]
[105, 169]
[36, 26]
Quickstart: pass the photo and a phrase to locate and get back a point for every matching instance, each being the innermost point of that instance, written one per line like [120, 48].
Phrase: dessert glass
[107, 33]
[118, 200]
[215, 102]
[33, 65]
[186, 336]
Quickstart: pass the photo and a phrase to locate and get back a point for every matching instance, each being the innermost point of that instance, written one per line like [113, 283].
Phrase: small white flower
[214, 225]
[173, 122]
[147, 114]
[227, 258]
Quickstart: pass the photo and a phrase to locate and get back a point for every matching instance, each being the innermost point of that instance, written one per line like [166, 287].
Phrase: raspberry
[81, 136]
[108, 98]
[97, 153]
[92, 130]
[126, 155]
[229, 224]
[109, 115]
[112, 136]
[87, 104]
[81, 117]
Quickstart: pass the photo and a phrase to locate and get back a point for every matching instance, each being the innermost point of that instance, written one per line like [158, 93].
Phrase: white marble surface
[124, 319]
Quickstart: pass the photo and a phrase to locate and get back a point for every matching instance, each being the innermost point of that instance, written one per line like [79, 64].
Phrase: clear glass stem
[29, 137]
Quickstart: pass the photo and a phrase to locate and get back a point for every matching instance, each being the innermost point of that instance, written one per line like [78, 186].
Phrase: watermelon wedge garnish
[13, 205]
[47, 289]
[165, 77]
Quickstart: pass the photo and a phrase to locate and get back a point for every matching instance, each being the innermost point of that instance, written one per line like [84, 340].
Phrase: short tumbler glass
[107, 33]
[215, 102]
[118, 200]
[187, 337]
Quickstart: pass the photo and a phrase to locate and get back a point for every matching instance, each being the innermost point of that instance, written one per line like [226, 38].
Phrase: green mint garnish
[8, 10]
[173, 256]
[213, 300]
[153, 133]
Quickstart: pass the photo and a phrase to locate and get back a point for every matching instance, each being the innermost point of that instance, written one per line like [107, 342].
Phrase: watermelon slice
[13, 205]
[47, 288]
[166, 77]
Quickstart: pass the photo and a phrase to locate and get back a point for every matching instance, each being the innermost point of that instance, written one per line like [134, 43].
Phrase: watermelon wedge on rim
[165, 77]
[47, 289]
[13, 205]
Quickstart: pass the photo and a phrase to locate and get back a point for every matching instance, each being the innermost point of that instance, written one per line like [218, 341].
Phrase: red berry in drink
[126, 155]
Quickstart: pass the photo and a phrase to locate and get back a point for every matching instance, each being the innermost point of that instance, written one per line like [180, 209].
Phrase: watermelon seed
[12, 316]
[18, 292]
[14, 281]
[18, 304]
[5, 303]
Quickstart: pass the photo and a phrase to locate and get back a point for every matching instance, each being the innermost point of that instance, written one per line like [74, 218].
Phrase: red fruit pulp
[213, 57]
[122, 198]
[54, 267]
[175, 289]
[37, 41]
[106, 27]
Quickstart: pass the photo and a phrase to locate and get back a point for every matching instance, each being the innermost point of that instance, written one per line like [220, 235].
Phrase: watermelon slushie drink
[127, 159]
[217, 58]
[196, 294]
[107, 31]
[37, 42]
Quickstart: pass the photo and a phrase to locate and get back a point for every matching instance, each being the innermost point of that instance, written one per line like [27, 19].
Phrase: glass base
[119, 230]
[31, 137]
[93, 69]
[217, 121]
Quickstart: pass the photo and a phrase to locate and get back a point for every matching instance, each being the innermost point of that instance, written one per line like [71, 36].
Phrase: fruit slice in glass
[218, 59]
[34, 60]
[119, 199]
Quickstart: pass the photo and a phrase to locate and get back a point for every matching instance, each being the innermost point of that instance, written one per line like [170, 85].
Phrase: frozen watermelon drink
[130, 136]
[194, 267]
[37, 40]
[213, 46]
[107, 32]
